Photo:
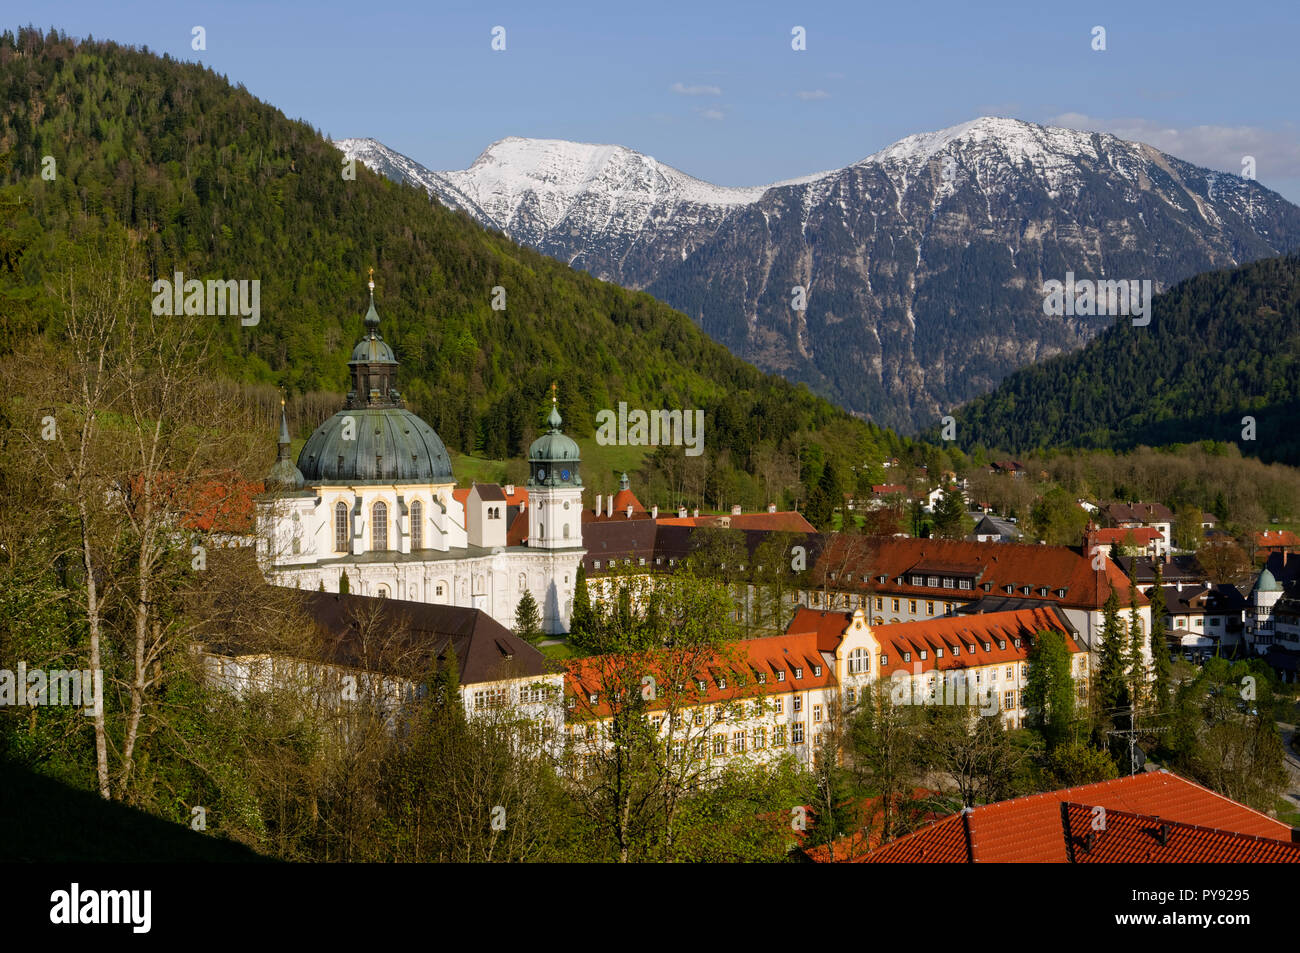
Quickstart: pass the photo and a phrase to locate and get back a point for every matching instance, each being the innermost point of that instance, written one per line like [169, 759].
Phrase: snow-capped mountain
[923, 263]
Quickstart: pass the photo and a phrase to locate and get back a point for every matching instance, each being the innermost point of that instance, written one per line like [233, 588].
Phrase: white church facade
[372, 498]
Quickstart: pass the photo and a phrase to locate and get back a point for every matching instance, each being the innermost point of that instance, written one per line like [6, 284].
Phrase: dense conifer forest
[1220, 347]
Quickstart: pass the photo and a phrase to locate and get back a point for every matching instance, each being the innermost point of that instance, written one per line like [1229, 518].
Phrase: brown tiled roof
[485, 649]
[490, 491]
[788, 521]
[1137, 513]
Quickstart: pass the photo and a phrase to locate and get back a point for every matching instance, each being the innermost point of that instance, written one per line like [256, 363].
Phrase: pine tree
[344, 588]
[950, 518]
[1135, 662]
[1159, 650]
[528, 622]
[1111, 692]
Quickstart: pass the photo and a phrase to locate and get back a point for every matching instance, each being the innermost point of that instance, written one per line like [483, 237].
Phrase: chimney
[629, 511]
[735, 510]
[599, 497]
[696, 512]
[681, 512]
[771, 507]
[510, 489]
[523, 505]
[654, 511]
[609, 506]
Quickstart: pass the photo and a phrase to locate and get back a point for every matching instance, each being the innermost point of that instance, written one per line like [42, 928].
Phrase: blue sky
[716, 90]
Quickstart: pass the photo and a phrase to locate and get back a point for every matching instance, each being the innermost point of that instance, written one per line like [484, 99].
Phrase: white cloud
[807, 95]
[683, 90]
[1276, 150]
[715, 114]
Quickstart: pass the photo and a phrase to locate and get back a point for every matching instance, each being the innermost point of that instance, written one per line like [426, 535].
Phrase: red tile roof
[1128, 838]
[1031, 829]
[1136, 536]
[996, 564]
[796, 655]
[1278, 537]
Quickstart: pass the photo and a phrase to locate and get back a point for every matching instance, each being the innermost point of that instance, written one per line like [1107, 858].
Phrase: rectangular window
[778, 706]
[778, 736]
[796, 733]
[817, 713]
[880, 604]
[762, 678]
[798, 673]
[798, 704]
[780, 676]
[738, 743]
[699, 718]
[596, 564]
[911, 606]
[918, 580]
[760, 738]
[933, 582]
[719, 746]
[965, 584]
[1009, 701]
[929, 608]
[853, 696]
[1011, 673]
[884, 659]
[895, 605]
[993, 675]
[947, 582]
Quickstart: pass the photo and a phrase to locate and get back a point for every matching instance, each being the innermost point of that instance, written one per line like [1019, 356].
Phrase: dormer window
[798, 673]
[956, 650]
[780, 676]
[592, 697]
[762, 678]
[722, 682]
[817, 671]
[1017, 643]
[938, 653]
[922, 653]
[1002, 643]
[699, 684]
[884, 659]
[573, 701]
[987, 646]
[907, 656]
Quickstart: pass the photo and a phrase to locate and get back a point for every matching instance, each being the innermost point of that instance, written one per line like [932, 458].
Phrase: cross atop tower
[553, 393]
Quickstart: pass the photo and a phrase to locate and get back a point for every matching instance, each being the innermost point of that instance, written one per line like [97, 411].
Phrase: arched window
[417, 525]
[379, 526]
[859, 662]
[382, 591]
[340, 527]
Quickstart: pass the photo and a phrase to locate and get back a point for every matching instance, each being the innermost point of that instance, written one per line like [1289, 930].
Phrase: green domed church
[372, 496]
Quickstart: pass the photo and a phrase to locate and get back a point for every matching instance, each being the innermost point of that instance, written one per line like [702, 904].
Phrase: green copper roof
[1267, 582]
[387, 444]
[284, 475]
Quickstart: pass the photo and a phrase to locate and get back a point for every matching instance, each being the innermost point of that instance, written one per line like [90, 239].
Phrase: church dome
[374, 438]
[380, 445]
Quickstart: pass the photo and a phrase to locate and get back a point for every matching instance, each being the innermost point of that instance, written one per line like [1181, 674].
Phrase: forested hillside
[1220, 347]
[220, 185]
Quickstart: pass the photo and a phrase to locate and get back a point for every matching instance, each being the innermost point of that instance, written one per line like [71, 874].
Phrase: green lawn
[600, 465]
